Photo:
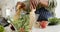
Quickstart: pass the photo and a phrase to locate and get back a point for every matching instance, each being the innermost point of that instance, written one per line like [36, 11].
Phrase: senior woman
[44, 8]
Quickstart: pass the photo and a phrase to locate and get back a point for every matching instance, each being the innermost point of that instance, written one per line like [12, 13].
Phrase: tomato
[43, 24]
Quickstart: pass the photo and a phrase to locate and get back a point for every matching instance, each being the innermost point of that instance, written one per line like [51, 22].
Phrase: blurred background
[7, 8]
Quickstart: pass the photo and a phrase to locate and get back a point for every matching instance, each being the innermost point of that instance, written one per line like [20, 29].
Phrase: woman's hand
[33, 5]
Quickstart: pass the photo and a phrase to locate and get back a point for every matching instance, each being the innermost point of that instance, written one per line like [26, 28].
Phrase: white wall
[57, 11]
[10, 4]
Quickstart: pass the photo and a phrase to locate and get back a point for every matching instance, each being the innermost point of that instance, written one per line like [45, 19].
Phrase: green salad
[23, 22]
[1, 28]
